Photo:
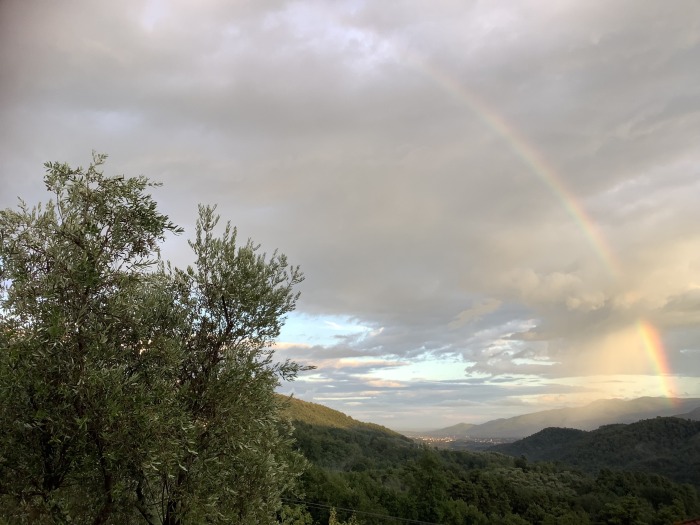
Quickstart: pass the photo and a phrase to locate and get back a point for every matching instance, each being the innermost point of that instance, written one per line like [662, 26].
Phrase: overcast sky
[496, 204]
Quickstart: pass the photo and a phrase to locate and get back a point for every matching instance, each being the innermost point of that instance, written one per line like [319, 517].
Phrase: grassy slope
[319, 415]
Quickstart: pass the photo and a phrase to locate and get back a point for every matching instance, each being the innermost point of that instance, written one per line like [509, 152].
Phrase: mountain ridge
[669, 446]
[586, 417]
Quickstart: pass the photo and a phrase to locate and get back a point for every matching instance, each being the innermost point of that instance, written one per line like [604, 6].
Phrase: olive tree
[132, 391]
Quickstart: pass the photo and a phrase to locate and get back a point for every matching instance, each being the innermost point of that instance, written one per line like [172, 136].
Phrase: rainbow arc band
[532, 158]
[654, 349]
[538, 165]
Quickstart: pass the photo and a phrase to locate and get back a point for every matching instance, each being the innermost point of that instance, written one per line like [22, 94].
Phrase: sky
[494, 203]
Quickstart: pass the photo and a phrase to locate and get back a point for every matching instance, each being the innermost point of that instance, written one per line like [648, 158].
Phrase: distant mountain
[668, 446]
[456, 431]
[693, 414]
[588, 417]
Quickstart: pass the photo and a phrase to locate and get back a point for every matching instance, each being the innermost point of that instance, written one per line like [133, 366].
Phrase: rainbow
[530, 157]
[654, 348]
[648, 334]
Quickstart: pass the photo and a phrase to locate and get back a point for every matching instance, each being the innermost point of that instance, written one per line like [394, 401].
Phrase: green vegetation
[669, 446]
[379, 475]
[319, 415]
[132, 391]
[338, 442]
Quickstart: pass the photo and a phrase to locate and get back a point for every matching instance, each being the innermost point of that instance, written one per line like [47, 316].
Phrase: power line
[373, 514]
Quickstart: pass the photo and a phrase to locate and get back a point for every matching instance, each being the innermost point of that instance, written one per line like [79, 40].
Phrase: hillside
[668, 446]
[384, 477]
[588, 417]
[331, 439]
[320, 415]
[693, 414]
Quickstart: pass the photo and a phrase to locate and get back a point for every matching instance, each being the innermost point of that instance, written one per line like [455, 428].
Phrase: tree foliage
[132, 391]
[420, 484]
[663, 445]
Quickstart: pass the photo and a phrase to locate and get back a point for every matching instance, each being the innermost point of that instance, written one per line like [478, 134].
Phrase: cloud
[450, 177]
[475, 312]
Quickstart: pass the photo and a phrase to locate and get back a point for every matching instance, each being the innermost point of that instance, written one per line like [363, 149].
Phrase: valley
[366, 473]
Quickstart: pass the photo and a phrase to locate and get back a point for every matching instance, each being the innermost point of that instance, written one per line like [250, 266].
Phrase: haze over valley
[587, 417]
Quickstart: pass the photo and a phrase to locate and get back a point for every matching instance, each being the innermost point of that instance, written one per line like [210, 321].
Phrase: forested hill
[334, 440]
[320, 415]
[665, 445]
[381, 477]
